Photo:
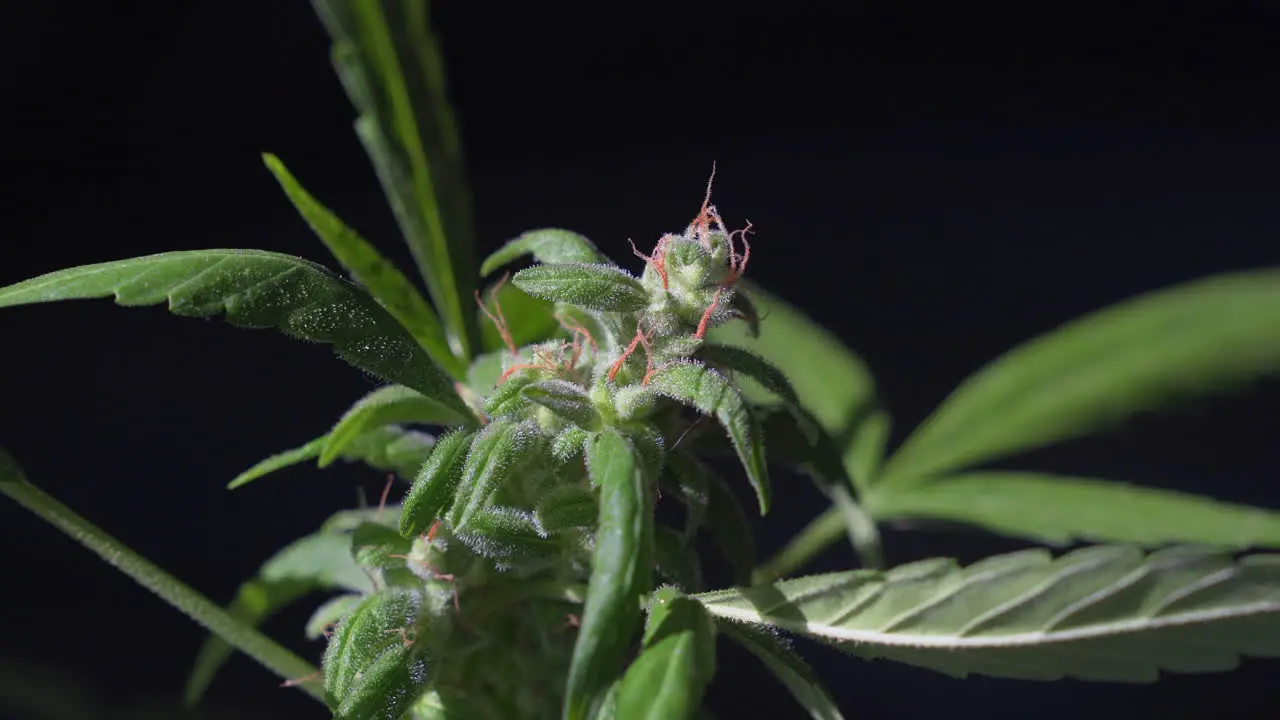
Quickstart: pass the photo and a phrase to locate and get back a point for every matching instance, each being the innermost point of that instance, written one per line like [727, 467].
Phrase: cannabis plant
[524, 572]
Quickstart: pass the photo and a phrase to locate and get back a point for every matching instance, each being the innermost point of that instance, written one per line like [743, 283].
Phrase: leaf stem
[271, 655]
[819, 534]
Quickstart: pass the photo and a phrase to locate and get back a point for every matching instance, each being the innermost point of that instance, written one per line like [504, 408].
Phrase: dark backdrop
[935, 185]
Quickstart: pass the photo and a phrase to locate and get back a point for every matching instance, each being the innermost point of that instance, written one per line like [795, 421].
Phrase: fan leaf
[1190, 340]
[1057, 509]
[1107, 613]
[390, 64]
[256, 289]
[389, 449]
[378, 275]
[386, 406]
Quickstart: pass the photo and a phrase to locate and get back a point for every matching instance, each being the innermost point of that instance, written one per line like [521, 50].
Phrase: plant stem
[824, 530]
[271, 655]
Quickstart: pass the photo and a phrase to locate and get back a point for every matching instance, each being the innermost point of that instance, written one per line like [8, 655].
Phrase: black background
[933, 184]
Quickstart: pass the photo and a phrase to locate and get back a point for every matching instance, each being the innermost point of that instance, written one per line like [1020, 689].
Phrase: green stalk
[271, 655]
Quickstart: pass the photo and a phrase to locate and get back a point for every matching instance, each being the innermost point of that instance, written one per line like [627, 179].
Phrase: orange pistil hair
[499, 320]
[641, 338]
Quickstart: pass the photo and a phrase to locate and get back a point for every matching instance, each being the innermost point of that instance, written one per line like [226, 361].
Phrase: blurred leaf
[256, 289]
[529, 319]
[1193, 339]
[1057, 509]
[316, 562]
[677, 662]
[378, 275]
[390, 64]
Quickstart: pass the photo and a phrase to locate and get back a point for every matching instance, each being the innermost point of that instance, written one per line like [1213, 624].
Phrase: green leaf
[508, 536]
[566, 507]
[275, 658]
[831, 382]
[745, 362]
[592, 286]
[677, 663]
[503, 448]
[565, 399]
[391, 66]
[1058, 509]
[315, 562]
[256, 289]
[787, 666]
[1190, 340]
[549, 246]
[329, 613]
[528, 319]
[387, 405]
[382, 279]
[620, 571]
[1102, 613]
[369, 669]
[708, 391]
[389, 449]
[436, 486]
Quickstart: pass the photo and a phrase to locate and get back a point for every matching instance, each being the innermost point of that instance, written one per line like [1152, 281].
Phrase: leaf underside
[256, 289]
[1105, 613]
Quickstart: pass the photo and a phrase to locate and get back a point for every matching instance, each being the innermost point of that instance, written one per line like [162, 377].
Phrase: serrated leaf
[787, 666]
[316, 562]
[270, 655]
[620, 571]
[389, 449]
[256, 289]
[669, 677]
[390, 65]
[549, 246]
[387, 405]
[1102, 613]
[565, 399]
[496, 452]
[749, 364]
[1190, 340]
[831, 381]
[1060, 509]
[436, 486]
[708, 391]
[592, 286]
[378, 275]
